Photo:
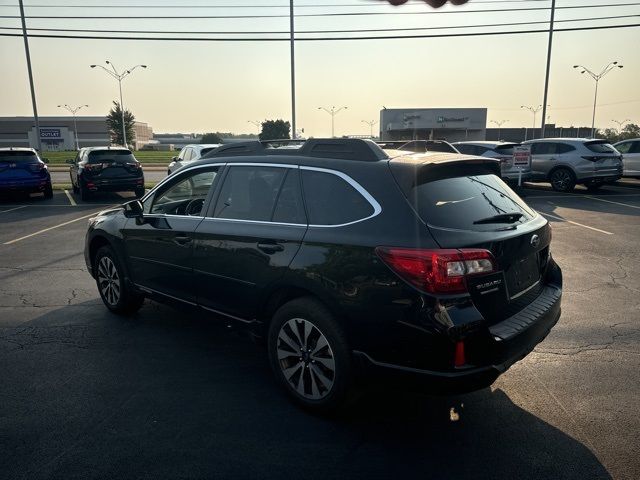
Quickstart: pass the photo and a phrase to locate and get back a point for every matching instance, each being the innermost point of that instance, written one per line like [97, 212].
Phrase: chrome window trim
[187, 168]
[259, 222]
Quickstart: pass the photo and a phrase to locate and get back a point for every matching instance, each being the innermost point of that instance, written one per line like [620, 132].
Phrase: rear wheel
[116, 295]
[562, 180]
[48, 191]
[309, 355]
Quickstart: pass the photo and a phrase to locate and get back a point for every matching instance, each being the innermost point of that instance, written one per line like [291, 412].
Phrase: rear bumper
[509, 341]
[25, 186]
[115, 185]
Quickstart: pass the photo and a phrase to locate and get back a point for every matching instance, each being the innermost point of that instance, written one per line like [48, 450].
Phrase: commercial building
[451, 124]
[59, 133]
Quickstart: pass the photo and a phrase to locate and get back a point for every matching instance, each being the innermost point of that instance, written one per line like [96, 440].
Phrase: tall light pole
[597, 77]
[371, 123]
[119, 77]
[535, 111]
[499, 123]
[333, 112]
[30, 72]
[73, 112]
[627, 120]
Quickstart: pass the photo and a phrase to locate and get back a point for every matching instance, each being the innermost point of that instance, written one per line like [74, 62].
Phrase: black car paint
[109, 179]
[390, 325]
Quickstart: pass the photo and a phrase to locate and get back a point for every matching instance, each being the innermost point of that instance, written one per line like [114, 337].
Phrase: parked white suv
[630, 150]
[503, 151]
[566, 162]
[189, 154]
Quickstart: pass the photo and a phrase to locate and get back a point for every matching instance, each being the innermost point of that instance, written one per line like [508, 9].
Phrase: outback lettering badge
[535, 241]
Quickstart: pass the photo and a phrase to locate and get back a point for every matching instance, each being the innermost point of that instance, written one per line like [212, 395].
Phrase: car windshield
[18, 157]
[118, 156]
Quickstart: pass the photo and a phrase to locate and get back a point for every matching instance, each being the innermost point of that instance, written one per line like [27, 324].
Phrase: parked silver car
[566, 162]
[189, 154]
[630, 150]
[500, 150]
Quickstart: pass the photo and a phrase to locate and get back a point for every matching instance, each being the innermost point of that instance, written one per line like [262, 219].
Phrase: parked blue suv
[23, 172]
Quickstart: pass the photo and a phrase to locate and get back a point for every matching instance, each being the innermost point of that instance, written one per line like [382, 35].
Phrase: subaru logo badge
[535, 241]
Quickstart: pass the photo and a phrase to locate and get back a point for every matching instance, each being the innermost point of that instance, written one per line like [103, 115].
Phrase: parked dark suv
[345, 260]
[105, 169]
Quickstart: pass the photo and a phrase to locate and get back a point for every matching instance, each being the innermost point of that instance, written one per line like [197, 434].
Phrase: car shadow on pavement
[167, 394]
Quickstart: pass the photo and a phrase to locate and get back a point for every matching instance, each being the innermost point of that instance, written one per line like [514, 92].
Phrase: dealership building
[60, 133]
[451, 124]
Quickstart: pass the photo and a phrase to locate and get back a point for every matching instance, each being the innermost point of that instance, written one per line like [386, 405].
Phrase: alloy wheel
[561, 179]
[109, 281]
[306, 359]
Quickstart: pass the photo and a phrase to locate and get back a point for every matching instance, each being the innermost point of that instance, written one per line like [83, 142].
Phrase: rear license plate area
[523, 273]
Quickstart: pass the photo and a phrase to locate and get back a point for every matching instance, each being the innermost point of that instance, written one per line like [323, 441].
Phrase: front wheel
[309, 355]
[115, 294]
[562, 180]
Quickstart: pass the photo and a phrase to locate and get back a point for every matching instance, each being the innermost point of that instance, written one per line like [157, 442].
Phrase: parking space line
[50, 228]
[71, 200]
[12, 209]
[574, 223]
[610, 201]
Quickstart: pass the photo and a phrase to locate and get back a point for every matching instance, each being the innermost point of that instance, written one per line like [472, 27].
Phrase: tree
[211, 138]
[275, 130]
[630, 130]
[114, 124]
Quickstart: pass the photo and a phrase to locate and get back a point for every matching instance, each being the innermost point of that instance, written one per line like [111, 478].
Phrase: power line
[276, 32]
[312, 39]
[333, 14]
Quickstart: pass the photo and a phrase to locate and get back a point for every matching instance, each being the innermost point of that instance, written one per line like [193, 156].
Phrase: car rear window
[204, 151]
[119, 156]
[456, 203]
[18, 157]
[505, 149]
[600, 147]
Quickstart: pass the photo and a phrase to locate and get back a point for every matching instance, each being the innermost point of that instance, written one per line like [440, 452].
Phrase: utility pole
[333, 112]
[371, 123]
[546, 78]
[75, 125]
[499, 123]
[535, 111]
[33, 90]
[293, 71]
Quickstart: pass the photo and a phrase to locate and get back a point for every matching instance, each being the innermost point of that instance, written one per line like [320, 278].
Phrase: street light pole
[371, 123]
[626, 120]
[119, 77]
[596, 77]
[535, 111]
[73, 113]
[333, 112]
[499, 123]
[29, 71]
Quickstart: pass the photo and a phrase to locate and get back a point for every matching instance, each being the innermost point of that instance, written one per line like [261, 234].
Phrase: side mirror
[133, 209]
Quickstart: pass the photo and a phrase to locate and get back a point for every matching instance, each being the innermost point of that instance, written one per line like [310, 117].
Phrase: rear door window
[600, 147]
[459, 203]
[543, 148]
[18, 157]
[564, 148]
[331, 200]
[289, 206]
[635, 147]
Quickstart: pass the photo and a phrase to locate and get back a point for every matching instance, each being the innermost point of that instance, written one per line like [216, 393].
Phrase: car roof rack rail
[342, 148]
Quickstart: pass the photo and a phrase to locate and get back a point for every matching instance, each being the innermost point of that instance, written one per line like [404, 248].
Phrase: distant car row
[23, 172]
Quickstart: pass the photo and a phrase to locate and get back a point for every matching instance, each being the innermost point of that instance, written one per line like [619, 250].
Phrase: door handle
[270, 248]
[182, 240]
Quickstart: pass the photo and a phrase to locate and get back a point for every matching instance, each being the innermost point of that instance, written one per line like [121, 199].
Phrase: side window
[625, 147]
[481, 150]
[187, 154]
[635, 147]
[289, 205]
[250, 193]
[330, 200]
[466, 149]
[543, 148]
[185, 196]
[564, 148]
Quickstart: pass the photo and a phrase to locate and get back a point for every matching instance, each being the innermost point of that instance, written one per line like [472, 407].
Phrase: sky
[223, 86]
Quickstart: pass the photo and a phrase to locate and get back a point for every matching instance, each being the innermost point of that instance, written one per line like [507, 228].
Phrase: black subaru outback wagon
[345, 260]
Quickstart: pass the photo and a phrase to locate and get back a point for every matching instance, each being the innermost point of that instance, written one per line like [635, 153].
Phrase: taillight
[437, 271]
[37, 167]
[92, 167]
[134, 167]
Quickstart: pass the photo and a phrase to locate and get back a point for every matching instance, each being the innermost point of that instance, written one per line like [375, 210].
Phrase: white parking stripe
[71, 200]
[574, 223]
[615, 203]
[50, 228]
[12, 209]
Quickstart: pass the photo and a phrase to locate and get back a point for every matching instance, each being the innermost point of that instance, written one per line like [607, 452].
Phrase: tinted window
[563, 148]
[330, 200]
[18, 157]
[119, 156]
[289, 205]
[504, 149]
[175, 199]
[543, 148]
[600, 147]
[481, 150]
[249, 193]
[635, 147]
[624, 147]
[204, 151]
[458, 202]
[466, 149]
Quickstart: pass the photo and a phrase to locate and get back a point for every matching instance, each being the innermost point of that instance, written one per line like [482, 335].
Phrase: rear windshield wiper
[502, 218]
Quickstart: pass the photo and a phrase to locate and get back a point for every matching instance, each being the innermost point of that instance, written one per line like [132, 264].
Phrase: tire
[48, 192]
[139, 192]
[562, 180]
[117, 297]
[85, 195]
[319, 378]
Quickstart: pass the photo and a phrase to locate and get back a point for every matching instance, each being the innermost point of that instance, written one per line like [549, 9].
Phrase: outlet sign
[443, 119]
[50, 133]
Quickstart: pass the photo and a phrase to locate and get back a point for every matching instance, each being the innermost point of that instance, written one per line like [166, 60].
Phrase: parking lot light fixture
[333, 112]
[119, 77]
[535, 111]
[371, 123]
[596, 77]
[499, 123]
[621, 123]
[73, 111]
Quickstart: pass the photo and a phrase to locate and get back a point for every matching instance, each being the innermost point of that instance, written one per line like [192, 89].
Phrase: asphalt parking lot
[167, 394]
